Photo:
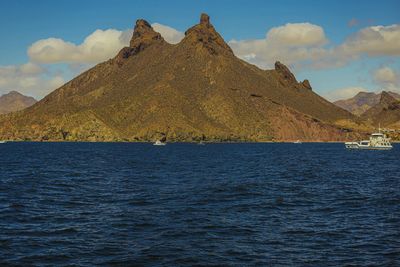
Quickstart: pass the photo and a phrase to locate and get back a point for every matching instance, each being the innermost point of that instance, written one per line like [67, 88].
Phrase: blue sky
[26, 22]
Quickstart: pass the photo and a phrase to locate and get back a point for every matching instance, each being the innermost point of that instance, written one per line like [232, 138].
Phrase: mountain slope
[362, 102]
[386, 113]
[193, 90]
[14, 101]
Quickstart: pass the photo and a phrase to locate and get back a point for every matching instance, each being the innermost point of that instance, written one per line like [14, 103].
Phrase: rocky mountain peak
[205, 35]
[143, 36]
[306, 84]
[285, 72]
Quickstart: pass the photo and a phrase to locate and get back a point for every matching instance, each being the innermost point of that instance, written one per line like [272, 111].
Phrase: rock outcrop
[143, 37]
[284, 71]
[306, 84]
[204, 35]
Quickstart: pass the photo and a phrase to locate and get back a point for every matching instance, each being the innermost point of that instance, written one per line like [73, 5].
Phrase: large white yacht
[377, 141]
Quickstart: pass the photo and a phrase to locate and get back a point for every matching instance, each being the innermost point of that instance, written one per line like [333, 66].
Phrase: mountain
[386, 113]
[196, 89]
[362, 102]
[14, 101]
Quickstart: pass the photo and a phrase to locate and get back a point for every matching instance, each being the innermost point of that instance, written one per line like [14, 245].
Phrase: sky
[342, 47]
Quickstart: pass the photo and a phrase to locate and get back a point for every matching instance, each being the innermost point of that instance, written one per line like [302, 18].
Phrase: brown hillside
[197, 89]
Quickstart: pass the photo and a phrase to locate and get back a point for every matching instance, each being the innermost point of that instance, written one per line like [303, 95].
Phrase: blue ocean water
[119, 204]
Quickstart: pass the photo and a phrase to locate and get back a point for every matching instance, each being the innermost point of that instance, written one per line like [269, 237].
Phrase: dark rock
[255, 95]
[306, 84]
[205, 19]
[285, 72]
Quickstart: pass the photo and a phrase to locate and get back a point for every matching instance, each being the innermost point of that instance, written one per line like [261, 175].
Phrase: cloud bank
[98, 46]
[28, 79]
[344, 93]
[304, 45]
[387, 79]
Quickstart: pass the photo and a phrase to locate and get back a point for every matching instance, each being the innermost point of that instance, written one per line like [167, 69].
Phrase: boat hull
[358, 146]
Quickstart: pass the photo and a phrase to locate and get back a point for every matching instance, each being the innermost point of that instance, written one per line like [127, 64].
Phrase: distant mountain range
[362, 102]
[194, 90]
[14, 101]
[386, 113]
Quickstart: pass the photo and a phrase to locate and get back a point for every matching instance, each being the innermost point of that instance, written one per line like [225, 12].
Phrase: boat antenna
[379, 128]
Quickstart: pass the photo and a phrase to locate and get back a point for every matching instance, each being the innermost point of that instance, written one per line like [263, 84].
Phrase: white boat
[297, 142]
[3, 142]
[159, 143]
[377, 141]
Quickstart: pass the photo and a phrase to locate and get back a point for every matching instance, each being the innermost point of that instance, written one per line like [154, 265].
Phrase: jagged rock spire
[289, 77]
[205, 35]
[205, 19]
[306, 84]
[285, 72]
[143, 36]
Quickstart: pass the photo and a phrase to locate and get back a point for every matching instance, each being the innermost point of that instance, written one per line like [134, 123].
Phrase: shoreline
[186, 142]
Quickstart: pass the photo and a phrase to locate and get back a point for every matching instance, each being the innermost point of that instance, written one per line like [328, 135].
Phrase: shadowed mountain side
[386, 113]
[361, 102]
[193, 90]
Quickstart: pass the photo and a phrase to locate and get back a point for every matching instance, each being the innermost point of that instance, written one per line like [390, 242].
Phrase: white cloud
[344, 93]
[385, 75]
[98, 46]
[297, 34]
[28, 79]
[375, 41]
[387, 78]
[305, 45]
[170, 35]
[31, 68]
[291, 44]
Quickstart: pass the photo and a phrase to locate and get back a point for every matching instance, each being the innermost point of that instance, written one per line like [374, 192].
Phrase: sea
[227, 204]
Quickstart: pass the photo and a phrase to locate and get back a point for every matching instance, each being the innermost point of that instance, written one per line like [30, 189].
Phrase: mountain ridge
[196, 89]
[386, 113]
[362, 101]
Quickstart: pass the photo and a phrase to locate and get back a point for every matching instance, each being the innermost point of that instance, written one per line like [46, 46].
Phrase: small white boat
[297, 142]
[201, 143]
[159, 143]
[3, 142]
[377, 141]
